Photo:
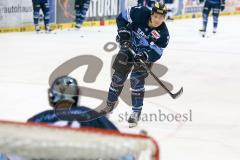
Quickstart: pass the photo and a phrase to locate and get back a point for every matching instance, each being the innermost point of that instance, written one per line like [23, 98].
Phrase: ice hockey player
[44, 6]
[169, 4]
[63, 97]
[216, 6]
[147, 36]
[148, 3]
[81, 8]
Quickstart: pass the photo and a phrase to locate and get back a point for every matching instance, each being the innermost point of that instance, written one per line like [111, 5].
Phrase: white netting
[42, 142]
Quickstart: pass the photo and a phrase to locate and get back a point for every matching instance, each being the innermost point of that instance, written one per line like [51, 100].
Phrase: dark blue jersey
[216, 2]
[39, 1]
[81, 7]
[147, 3]
[168, 1]
[69, 118]
[136, 19]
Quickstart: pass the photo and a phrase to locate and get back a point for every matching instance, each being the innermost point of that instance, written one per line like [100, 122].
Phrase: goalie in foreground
[63, 97]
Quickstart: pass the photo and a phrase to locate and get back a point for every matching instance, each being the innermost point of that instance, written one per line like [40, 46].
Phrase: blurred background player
[44, 6]
[147, 36]
[63, 97]
[81, 8]
[148, 3]
[169, 4]
[216, 6]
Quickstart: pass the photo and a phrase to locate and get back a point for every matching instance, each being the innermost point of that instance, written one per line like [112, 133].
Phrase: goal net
[42, 142]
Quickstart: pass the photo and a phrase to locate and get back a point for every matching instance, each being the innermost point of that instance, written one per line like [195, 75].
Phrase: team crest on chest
[155, 34]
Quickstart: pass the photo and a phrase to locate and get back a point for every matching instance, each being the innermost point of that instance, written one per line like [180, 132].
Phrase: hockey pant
[215, 13]
[81, 7]
[44, 6]
[122, 66]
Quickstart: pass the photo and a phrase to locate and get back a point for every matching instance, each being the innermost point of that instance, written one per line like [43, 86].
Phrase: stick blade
[179, 93]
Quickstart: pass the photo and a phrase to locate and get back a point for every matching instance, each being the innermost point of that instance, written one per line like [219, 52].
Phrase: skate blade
[132, 125]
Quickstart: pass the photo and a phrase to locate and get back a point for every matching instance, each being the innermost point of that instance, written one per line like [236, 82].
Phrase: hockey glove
[124, 38]
[222, 7]
[141, 56]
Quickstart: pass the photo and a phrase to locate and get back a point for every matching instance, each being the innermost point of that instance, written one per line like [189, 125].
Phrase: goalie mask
[63, 89]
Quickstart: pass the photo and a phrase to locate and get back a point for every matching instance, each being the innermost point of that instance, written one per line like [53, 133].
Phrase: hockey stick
[173, 95]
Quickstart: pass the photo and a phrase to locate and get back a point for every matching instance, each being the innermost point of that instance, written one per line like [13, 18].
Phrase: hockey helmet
[160, 8]
[64, 88]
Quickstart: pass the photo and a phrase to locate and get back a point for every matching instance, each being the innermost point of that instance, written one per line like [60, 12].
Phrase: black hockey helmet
[160, 8]
[64, 88]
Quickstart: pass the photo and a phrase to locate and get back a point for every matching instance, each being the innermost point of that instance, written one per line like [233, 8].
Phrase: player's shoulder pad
[80, 109]
[161, 35]
[140, 14]
[42, 116]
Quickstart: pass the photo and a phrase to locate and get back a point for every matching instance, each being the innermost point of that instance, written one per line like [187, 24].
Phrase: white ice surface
[207, 68]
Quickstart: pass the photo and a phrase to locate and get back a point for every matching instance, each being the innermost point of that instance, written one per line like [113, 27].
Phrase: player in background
[44, 6]
[147, 36]
[148, 3]
[63, 95]
[81, 8]
[169, 4]
[216, 6]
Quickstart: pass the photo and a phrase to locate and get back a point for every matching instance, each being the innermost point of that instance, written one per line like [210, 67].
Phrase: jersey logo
[155, 34]
[141, 33]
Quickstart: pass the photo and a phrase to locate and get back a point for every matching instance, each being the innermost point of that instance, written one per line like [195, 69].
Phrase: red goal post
[38, 141]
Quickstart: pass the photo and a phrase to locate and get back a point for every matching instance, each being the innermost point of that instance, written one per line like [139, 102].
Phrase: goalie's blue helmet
[64, 88]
